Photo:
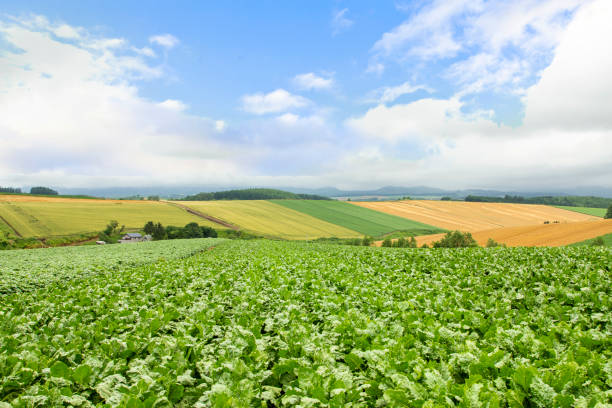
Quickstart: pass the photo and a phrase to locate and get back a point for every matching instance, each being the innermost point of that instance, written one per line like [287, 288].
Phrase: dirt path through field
[11, 227]
[205, 216]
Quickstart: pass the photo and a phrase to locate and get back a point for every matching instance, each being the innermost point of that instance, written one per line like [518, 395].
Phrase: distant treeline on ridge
[571, 201]
[10, 190]
[253, 194]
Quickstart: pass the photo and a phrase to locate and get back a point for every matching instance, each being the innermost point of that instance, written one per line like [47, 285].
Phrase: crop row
[25, 270]
[286, 324]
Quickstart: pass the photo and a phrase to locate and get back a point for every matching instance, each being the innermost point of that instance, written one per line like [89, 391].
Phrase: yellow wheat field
[472, 217]
[536, 235]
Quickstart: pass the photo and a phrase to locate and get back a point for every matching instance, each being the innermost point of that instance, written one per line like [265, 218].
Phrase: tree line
[253, 194]
[570, 201]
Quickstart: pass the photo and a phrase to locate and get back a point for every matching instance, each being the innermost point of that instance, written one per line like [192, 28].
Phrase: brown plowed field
[536, 235]
[472, 217]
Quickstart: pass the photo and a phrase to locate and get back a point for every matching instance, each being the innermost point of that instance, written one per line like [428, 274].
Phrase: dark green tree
[456, 239]
[208, 232]
[192, 230]
[43, 191]
[149, 228]
[159, 233]
[608, 213]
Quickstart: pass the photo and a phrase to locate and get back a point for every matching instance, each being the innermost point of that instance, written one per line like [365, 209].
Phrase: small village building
[134, 237]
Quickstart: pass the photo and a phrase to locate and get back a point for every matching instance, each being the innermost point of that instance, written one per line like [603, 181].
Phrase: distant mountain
[387, 191]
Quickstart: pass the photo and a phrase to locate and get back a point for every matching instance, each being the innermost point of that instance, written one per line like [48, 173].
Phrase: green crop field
[271, 324]
[5, 230]
[56, 217]
[596, 212]
[363, 220]
[25, 270]
[270, 219]
[606, 238]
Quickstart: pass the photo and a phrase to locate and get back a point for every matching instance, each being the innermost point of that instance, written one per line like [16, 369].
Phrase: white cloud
[146, 51]
[576, 88]
[273, 102]
[310, 81]
[83, 122]
[389, 94]
[173, 104]
[563, 142]
[66, 31]
[340, 22]
[164, 40]
[497, 43]
[220, 125]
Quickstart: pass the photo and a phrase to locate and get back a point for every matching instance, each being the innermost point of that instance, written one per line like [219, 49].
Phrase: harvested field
[472, 217]
[46, 216]
[537, 235]
[270, 219]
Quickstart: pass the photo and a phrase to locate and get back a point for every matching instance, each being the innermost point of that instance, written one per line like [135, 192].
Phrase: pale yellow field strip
[270, 219]
[46, 216]
[471, 217]
[536, 235]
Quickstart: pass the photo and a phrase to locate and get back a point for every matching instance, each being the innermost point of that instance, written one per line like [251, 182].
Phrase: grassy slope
[607, 241]
[48, 218]
[5, 229]
[596, 212]
[271, 219]
[357, 218]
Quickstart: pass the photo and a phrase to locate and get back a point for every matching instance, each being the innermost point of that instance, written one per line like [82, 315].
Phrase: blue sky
[451, 93]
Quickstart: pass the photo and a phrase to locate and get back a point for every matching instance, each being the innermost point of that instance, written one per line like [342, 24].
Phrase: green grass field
[271, 219]
[5, 230]
[596, 212]
[64, 217]
[607, 241]
[362, 220]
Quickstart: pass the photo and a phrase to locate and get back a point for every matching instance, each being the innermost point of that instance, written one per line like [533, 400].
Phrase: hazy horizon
[450, 94]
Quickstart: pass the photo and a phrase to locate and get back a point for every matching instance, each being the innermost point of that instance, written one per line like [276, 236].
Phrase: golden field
[471, 217]
[536, 235]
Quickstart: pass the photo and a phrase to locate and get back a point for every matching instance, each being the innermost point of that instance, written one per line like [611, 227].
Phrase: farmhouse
[134, 237]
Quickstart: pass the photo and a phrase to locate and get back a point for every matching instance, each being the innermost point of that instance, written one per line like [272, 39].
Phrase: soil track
[472, 217]
[537, 235]
[205, 216]
[10, 226]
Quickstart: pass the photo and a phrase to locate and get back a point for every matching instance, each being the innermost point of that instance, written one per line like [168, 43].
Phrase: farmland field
[607, 238]
[359, 219]
[537, 235]
[469, 216]
[271, 219]
[44, 216]
[596, 212]
[289, 324]
[5, 229]
[24, 270]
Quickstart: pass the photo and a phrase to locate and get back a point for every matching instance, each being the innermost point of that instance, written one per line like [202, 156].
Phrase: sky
[356, 95]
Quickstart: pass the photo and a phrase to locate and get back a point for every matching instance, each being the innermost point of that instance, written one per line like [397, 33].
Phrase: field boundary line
[205, 216]
[11, 227]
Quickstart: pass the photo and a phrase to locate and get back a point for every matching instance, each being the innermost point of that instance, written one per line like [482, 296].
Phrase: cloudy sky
[447, 93]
